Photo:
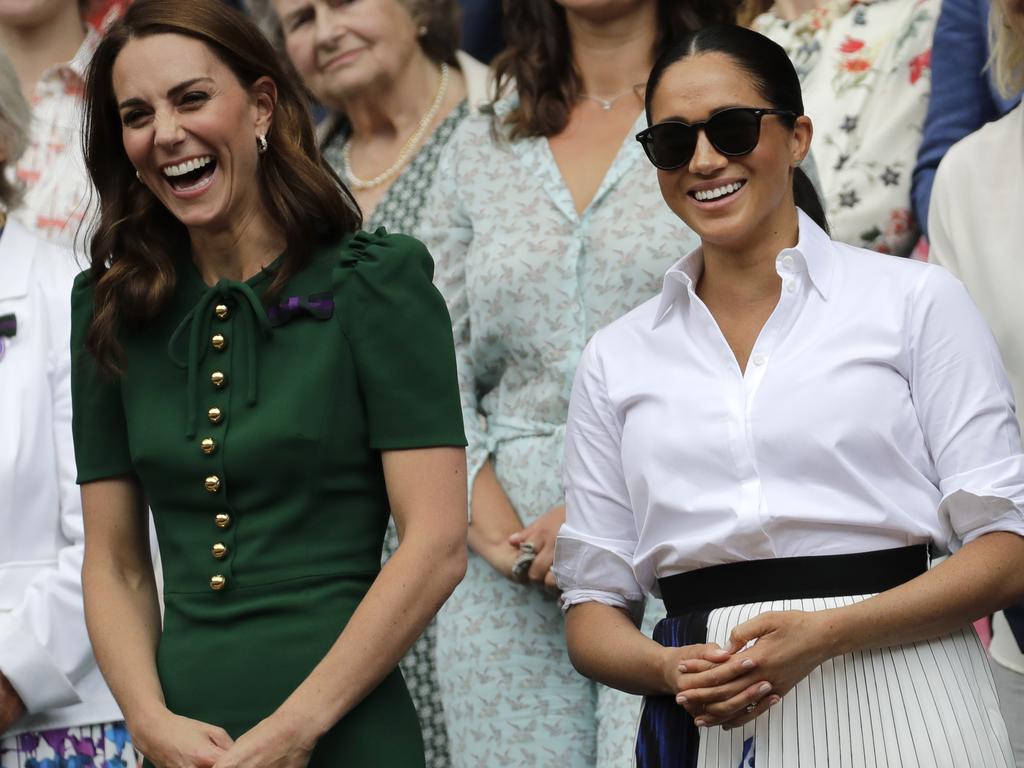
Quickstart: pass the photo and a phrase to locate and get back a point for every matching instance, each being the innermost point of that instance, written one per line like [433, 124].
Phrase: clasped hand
[765, 658]
[541, 533]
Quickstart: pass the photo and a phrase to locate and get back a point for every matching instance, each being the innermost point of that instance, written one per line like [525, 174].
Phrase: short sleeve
[965, 406]
[401, 337]
[595, 546]
[98, 422]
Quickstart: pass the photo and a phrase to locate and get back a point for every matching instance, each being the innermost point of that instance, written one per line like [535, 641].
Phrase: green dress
[256, 436]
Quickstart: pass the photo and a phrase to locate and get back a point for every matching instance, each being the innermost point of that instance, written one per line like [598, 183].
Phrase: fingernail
[773, 700]
[747, 663]
[680, 699]
[682, 667]
[700, 723]
[765, 687]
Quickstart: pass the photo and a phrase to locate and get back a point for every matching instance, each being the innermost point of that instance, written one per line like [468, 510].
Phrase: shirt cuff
[579, 596]
[28, 667]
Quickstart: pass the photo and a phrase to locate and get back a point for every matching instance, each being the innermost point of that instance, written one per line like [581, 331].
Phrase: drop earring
[261, 144]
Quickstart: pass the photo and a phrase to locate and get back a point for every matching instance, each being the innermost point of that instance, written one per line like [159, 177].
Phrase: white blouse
[874, 413]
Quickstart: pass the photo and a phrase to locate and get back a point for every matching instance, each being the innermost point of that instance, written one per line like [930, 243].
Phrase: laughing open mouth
[191, 174]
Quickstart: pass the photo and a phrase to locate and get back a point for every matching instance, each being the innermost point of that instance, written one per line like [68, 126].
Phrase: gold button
[213, 483]
[209, 445]
[215, 415]
[221, 311]
[219, 551]
[218, 341]
[223, 519]
[217, 582]
[218, 379]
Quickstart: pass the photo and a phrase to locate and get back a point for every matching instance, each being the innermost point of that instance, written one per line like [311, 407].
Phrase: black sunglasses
[734, 131]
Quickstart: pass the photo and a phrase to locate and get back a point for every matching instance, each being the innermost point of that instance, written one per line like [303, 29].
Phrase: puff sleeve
[98, 425]
[401, 338]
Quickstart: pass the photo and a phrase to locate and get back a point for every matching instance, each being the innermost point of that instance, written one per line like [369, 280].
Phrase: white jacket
[44, 648]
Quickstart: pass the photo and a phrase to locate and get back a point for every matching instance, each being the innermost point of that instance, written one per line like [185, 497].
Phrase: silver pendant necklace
[608, 103]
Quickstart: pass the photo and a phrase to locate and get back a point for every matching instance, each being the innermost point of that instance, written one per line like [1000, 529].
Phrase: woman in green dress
[274, 385]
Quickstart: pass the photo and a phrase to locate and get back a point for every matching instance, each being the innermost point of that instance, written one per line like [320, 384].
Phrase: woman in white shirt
[787, 396]
[54, 705]
[976, 232]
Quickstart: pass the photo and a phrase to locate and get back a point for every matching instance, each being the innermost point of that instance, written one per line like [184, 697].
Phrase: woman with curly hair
[254, 368]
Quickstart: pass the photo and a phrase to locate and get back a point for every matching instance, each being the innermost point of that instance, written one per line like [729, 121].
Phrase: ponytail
[807, 200]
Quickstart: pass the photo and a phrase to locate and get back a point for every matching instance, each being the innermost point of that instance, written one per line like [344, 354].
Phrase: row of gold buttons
[208, 445]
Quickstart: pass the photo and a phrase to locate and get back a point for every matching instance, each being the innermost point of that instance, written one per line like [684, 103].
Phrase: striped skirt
[923, 705]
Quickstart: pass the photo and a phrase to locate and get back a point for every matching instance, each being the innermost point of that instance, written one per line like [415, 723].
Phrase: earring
[138, 175]
[422, 31]
[261, 145]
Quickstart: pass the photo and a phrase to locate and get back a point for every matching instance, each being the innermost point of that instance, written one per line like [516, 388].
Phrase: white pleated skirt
[925, 705]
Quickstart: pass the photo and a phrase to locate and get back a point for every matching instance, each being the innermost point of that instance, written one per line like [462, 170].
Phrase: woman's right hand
[171, 741]
[678, 665]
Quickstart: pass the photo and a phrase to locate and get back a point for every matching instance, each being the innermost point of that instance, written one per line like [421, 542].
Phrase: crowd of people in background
[671, 305]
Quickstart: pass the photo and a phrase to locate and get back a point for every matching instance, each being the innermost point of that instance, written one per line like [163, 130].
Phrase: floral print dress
[865, 67]
[87, 746]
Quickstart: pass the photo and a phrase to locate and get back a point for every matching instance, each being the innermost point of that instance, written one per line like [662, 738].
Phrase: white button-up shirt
[874, 413]
[44, 648]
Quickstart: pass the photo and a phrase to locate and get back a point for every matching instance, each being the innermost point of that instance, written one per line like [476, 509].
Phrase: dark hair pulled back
[772, 75]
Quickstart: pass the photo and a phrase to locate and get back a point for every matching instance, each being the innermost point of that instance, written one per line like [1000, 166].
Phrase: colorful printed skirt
[923, 705]
[86, 746]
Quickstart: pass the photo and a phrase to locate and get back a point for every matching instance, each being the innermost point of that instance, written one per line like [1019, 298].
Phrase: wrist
[666, 665]
[835, 633]
[302, 727]
[144, 719]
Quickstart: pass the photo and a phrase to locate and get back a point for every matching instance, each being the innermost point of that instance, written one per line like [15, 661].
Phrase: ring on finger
[750, 707]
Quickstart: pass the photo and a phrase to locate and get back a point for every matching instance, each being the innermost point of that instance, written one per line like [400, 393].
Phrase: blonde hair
[15, 118]
[1006, 31]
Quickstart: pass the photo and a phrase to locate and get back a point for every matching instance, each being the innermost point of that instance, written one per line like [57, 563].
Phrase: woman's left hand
[276, 742]
[542, 533]
[789, 644]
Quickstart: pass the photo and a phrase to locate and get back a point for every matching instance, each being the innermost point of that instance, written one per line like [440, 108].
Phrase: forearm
[123, 617]
[494, 518]
[407, 593]
[984, 576]
[606, 646]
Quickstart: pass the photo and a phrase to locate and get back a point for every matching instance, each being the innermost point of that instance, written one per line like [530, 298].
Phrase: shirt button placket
[211, 445]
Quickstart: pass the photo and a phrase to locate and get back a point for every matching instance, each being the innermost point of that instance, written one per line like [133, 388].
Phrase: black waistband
[788, 578]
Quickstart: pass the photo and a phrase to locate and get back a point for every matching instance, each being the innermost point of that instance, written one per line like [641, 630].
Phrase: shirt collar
[812, 253]
[17, 252]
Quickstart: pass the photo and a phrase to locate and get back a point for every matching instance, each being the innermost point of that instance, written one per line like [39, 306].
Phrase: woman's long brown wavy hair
[136, 242]
[538, 57]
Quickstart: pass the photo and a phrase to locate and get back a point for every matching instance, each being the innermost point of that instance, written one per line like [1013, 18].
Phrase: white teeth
[713, 194]
[189, 165]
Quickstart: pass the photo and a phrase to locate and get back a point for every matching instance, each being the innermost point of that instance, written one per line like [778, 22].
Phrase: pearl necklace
[607, 104]
[407, 149]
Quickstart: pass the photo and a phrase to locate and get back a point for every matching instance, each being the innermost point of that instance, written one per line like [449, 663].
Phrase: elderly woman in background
[397, 87]
[865, 72]
[975, 229]
[546, 224]
[54, 704]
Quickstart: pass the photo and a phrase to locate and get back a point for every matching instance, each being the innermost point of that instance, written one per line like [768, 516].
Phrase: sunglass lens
[671, 145]
[734, 131]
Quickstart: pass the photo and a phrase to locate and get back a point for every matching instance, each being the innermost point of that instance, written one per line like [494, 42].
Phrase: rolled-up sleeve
[595, 546]
[965, 405]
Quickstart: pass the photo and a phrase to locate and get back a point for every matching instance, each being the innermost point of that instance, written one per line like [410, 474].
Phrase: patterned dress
[865, 67]
[88, 746]
[528, 280]
[400, 211]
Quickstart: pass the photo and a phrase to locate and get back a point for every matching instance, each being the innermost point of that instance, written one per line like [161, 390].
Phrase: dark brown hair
[538, 57]
[136, 241]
